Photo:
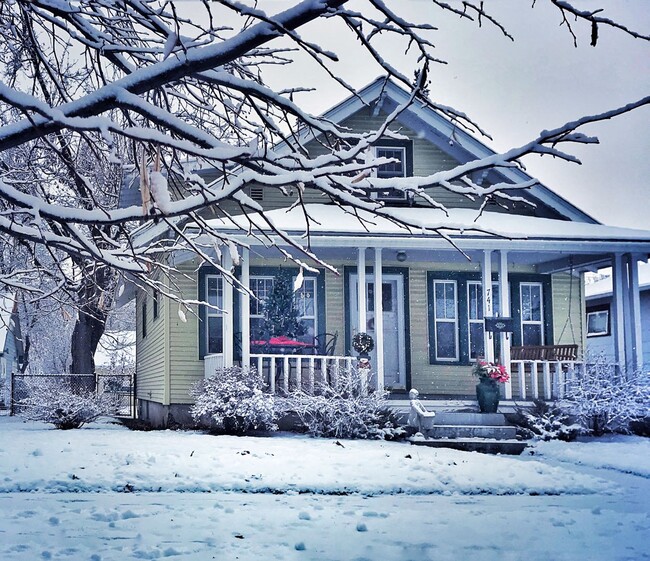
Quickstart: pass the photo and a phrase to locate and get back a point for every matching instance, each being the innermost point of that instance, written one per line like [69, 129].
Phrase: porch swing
[552, 353]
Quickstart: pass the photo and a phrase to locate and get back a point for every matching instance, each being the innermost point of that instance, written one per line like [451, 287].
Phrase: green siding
[568, 310]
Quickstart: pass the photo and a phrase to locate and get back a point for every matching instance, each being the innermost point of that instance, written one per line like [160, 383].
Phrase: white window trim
[210, 312]
[403, 150]
[598, 333]
[436, 320]
[539, 322]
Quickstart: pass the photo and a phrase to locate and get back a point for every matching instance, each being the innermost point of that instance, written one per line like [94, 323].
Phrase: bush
[344, 410]
[546, 421]
[233, 402]
[56, 403]
[604, 400]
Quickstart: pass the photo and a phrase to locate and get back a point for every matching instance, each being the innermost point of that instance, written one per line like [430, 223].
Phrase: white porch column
[245, 316]
[634, 344]
[228, 327]
[379, 319]
[361, 279]
[486, 281]
[504, 307]
[618, 313]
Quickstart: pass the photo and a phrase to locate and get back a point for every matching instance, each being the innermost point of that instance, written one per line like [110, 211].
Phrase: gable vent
[257, 193]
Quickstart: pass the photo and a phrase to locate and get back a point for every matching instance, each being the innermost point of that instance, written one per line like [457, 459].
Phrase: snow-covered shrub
[545, 421]
[344, 409]
[55, 402]
[604, 400]
[233, 402]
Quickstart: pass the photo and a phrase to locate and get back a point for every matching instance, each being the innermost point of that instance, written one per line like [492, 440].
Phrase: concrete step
[472, 419]
[470, 431]
[483, 445]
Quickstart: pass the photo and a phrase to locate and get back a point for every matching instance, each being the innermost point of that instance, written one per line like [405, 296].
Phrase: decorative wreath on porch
[363, 343]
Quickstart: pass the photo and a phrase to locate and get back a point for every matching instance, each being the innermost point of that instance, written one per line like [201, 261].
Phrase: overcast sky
[514, 90]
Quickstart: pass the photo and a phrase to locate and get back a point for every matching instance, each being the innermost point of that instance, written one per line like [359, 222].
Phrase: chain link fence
[121, 387]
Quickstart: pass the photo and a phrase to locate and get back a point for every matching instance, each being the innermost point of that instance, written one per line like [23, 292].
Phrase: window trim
[211, 312]
[599, 310]
[436, 321]
[394, 144]
[540, 322]
[155, 304]
[144, 317]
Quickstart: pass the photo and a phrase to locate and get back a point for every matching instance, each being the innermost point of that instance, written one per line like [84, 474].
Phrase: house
[11, 346]
[600, 313]
[522, 261]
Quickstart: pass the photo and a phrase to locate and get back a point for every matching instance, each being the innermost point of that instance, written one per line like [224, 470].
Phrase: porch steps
[475, 432]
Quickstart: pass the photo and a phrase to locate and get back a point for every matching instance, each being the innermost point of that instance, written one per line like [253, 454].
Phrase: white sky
[515, 90]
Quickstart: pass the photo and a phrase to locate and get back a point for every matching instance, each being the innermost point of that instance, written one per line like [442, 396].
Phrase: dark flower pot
[487, 393]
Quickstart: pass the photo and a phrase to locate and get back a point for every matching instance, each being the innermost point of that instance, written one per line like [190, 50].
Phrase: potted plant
[490, 375]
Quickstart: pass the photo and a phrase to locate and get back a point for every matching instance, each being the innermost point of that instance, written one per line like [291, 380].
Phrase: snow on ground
[105, 493]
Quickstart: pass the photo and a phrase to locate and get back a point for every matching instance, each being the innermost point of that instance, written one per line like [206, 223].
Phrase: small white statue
[419, 417]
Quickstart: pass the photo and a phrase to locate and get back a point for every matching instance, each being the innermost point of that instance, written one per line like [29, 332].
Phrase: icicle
[297, 283]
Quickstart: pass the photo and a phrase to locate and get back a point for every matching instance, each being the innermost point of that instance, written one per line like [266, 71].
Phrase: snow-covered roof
[464, 226]
[603, 287]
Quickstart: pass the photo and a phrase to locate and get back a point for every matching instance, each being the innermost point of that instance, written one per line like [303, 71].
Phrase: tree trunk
[94, 298]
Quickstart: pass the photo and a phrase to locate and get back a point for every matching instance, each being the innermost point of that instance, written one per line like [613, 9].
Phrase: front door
[394, 325]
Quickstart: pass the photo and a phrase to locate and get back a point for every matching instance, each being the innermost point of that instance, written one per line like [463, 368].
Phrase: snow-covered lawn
[104, 493]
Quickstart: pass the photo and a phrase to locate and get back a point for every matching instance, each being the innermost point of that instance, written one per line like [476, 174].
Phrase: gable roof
[448, 136]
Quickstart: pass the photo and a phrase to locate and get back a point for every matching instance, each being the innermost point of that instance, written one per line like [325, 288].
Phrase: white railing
[546, 379]
[284, 373]
[211, 363]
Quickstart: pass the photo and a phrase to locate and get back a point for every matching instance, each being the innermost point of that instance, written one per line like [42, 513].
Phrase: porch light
[401, 256]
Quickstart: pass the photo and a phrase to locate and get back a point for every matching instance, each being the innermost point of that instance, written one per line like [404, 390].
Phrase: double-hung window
[475, 316]
[401, 166]
[445, 320]
[261, 287]
[532, 313]
[214, 313]
[305, 298]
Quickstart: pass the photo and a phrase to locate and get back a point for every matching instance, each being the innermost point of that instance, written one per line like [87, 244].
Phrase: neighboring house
[11, 346]
[601, 311]
[433, 297]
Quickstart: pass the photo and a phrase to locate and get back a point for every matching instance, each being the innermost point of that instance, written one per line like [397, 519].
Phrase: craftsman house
[433, 298]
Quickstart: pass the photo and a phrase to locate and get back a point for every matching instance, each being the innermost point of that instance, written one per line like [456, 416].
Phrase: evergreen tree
[280, 311]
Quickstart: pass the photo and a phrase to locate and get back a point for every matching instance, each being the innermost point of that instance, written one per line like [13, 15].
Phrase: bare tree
[91, 88]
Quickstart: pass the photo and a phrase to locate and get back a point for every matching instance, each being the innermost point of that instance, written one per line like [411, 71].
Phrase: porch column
[228, 331]
[618, 313]
[379, 319]
[245, 316]
[504, 306]
[361, 288]
[486, 281]
[634, 346]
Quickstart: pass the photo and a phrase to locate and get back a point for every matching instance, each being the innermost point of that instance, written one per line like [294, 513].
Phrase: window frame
[211, 312]
[455, 321]
[406, 147]
[599, 310]
[155, 304]
[523, 322]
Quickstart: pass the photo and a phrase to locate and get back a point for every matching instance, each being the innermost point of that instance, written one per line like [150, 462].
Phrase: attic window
[257, 193]
[402, 153]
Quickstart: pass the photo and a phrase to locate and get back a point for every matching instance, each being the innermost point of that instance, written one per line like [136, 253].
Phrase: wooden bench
[544, 352]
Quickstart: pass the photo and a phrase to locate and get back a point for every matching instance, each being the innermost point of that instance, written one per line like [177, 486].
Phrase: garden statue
[419, 417]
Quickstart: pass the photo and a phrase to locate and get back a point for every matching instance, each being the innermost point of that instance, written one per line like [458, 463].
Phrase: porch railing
[532, 379]
[284, 373]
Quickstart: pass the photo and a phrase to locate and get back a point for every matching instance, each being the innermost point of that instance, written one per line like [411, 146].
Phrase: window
[155, 304]
[394, 169]
[532, 313]
[445, 320]
[144, 319]
[214, 314]
[598, 322]
[402, 153]
[305, 300]
[475, 329]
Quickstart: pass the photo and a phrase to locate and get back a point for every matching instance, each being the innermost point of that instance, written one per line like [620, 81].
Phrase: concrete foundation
[165, 416]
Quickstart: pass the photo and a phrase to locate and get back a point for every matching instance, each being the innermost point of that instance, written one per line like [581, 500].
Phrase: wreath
[363, 343]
